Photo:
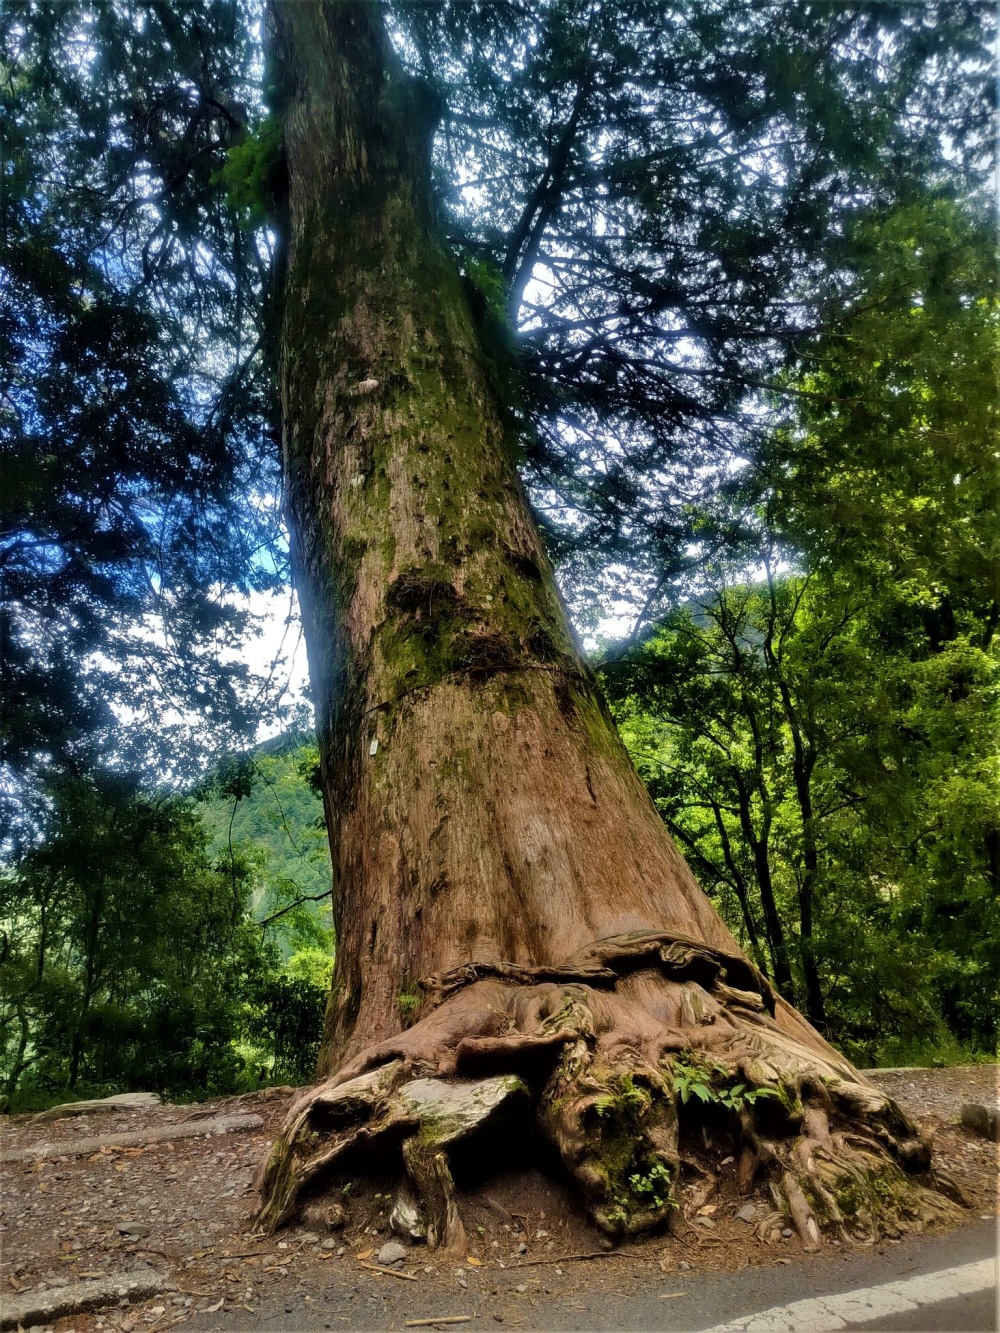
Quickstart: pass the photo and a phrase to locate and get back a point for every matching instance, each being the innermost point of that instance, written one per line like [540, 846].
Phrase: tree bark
[507, 898]
[499, 817]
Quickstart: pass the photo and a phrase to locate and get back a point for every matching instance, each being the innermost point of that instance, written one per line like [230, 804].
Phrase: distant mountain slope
[261, 808]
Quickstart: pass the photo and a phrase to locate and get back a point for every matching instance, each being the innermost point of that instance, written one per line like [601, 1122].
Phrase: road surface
[929, 1283]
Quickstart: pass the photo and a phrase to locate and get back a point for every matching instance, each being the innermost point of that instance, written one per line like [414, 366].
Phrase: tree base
[639, 1059]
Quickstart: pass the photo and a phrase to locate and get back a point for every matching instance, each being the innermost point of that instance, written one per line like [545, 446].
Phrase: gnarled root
[427, 1167]
[620, 1053]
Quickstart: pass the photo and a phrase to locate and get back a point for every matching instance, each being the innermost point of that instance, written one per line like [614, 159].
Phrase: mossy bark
[490, 837]
[481, 805]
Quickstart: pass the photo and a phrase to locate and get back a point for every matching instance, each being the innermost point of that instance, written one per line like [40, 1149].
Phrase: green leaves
[251, 175]
[712, 1083]
[817, 721]
[131, 954]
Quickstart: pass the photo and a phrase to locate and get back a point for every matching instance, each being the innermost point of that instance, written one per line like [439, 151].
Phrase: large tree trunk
[507, 899]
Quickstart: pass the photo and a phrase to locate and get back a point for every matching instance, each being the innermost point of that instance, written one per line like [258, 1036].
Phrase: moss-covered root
[616, 1130]
[629, 1051]
[850, 1182]
[427, 1167]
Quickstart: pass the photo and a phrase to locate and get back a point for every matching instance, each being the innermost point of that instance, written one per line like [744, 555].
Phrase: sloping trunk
[507, 899]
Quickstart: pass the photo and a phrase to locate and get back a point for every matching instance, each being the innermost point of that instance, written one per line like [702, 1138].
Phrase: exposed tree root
[621, 1052]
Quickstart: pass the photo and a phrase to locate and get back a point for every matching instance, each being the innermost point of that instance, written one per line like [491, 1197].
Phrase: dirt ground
[183, 1208]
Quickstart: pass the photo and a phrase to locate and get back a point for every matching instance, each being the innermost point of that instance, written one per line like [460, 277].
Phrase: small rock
[705, 1222]
[391, 1253]
[463, 1284]
[310, 1238]
[684, 1264]
[982, 1119]
[787, 1232]
[521, 1249]
[747, 1213]
[328, 1245]
[521, 1288]
[132, 1229]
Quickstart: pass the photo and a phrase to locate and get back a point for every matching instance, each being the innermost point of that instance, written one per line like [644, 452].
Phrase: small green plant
[409, 1002]
[250, 171]
[646, 1190]
[709, 1083]
[652, 1188]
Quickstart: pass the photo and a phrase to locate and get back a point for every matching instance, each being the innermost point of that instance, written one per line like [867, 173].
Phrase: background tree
[138, 493]
[125, 948]
[871, 677]
[138, 949]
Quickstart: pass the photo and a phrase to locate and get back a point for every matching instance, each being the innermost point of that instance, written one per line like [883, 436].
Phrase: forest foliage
[820, 736]
[173, 942]
[733, 267]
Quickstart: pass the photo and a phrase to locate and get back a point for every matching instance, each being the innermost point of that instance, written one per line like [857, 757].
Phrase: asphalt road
[754, 1299]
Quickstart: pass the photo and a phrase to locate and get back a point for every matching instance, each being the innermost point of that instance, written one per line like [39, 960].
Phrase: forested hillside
[262, 810]
[180, 943]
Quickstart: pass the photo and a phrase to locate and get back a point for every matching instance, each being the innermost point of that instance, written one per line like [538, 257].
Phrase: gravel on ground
[183, 1205]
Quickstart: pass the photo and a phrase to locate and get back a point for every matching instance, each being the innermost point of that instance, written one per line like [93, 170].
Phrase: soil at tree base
[193, 1201]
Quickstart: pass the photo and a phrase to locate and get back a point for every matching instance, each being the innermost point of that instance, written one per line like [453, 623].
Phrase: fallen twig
[389, 1272]
[441, 1319]
[573, 1258]
[158, 1322]
[699, 1241]
[282, 1263]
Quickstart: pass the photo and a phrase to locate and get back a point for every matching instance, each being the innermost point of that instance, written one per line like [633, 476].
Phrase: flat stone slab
[121, 1101]
[43, 1307]
[452, 1109]
[223, 1124]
